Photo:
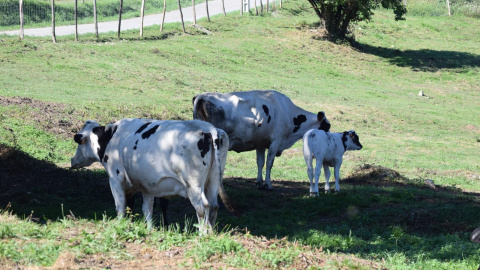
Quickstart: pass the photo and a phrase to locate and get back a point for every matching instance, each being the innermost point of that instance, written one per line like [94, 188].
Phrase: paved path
[214, 7]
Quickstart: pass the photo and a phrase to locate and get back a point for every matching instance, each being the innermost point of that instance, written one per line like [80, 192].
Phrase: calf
[328, 149]
[159, 159]
[258, 120]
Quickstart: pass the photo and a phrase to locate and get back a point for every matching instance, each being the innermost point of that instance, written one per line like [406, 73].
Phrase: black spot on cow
[344, 140]
[105, 158]
[324, 124]
[265, 109]
[149, 132]
[104, 137]
[135, 147]
[204, 144]
[144, 126]
[118, 172]
[312, 135]
[269, 118]
[218, 142]
[297, 121]
[204, 164]
[259, 125]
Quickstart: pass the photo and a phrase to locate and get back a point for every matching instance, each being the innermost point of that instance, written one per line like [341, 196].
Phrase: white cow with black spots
[328, 149]
[258, 120]
[159, 159]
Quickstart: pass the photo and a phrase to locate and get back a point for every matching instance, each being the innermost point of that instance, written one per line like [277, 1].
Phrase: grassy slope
[371, 88]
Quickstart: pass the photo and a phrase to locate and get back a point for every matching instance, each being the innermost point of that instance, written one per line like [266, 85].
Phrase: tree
[338, 14]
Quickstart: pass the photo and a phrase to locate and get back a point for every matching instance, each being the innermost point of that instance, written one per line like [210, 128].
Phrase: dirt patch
[374, 174]
[52, 117]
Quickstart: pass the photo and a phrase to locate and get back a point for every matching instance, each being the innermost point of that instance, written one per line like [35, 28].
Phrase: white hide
[258, 120]
[328, 149]
[158, 159]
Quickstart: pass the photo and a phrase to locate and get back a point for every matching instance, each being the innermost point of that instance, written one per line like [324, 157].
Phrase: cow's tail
[221, 145]
[199, 109]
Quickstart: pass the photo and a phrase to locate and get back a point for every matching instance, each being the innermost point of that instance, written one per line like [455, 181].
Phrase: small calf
[328, 149]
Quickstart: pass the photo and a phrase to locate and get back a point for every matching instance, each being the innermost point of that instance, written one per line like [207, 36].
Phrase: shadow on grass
[425, 59]
[377, 211]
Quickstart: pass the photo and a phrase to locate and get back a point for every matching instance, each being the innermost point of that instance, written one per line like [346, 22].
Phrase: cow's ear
[78, 138]
[351, 133]
[320, 116]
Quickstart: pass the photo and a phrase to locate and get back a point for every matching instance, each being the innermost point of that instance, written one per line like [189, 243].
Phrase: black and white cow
[328, 149]
[159, 159]
[258, 120]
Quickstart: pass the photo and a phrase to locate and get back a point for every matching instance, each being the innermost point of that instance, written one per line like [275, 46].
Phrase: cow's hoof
[314, 194]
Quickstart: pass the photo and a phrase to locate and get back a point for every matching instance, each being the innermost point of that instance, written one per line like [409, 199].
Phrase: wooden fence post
[95, 16]
[206, 5]
[76, 21]
[241, 7]
[21, 19]
[194, 14]
[181, 15]
[120, 18]
[53, 22]
[163, 18]
[142, 12]
[448, 6]
[223, 6]
[256, 9]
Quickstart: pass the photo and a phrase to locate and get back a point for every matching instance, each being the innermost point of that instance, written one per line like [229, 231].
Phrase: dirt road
[214, 8]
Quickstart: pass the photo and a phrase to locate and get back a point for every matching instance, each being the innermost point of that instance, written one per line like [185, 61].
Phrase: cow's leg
[326, 170]
[147, 208]
[336, 174]
[272, 152]
[310, 175]
[260, 164]
[200, 203]
[118, 193]
[211, 193]
[164, 206]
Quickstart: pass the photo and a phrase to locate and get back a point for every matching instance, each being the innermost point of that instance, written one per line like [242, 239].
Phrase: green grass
[371, 87]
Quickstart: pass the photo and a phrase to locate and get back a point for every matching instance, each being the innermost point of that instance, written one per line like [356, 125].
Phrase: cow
[328, 149]
[159, 159]
[258, 120]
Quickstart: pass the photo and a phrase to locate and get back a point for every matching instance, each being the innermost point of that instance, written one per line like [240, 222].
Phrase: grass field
[385, 216]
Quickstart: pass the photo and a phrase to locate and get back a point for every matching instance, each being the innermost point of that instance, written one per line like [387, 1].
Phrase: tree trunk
[163, 18]
[142, 12]
[223, 6]
[448, 7]
[181, 15]
[256, 9]
[120, 18]
[21, 19]
[95, 16]
[76, 20]
[53, 22]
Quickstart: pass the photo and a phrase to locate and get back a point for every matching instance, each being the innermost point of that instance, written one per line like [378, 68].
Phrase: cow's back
[151, 151]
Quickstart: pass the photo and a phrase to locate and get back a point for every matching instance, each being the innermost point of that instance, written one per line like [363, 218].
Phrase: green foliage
[337, 15]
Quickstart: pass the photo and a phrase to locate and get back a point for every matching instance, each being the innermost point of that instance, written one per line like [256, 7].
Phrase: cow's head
[88, 145]
[351, 141]
[324, 123]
